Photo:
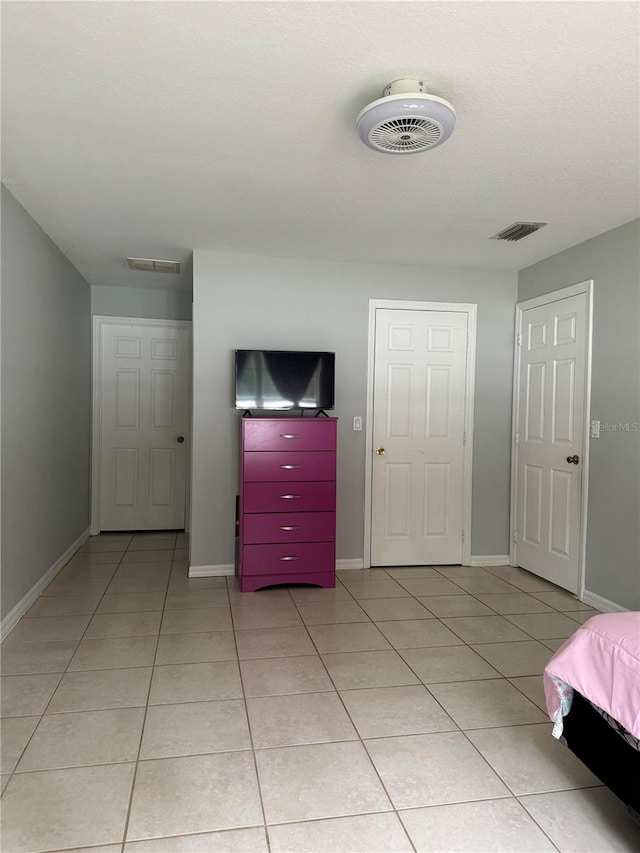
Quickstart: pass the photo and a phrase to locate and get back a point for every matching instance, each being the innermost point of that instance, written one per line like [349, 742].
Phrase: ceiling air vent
[518, 230]
[151, 265]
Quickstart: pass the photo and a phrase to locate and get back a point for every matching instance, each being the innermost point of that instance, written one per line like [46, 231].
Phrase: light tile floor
[403, 711]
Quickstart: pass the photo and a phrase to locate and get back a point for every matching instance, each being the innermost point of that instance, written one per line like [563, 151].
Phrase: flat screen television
[279, 380]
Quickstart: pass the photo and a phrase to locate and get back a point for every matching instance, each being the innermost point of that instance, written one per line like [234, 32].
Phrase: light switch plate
[595, 429]
[357, 423]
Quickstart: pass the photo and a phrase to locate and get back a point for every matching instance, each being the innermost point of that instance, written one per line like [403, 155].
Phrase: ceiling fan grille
[405, 134]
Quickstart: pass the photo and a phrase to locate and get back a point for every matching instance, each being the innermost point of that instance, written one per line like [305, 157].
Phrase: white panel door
[144, 391]
[418, 433]
[550, 439]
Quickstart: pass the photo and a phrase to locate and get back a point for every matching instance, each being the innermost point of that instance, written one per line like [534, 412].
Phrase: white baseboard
[27, 600]
[221, 570]
[491, 560]
[347, 565]
[602, 604]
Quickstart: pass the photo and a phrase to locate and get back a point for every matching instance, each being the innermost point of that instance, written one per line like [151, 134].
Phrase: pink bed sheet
[602, 662]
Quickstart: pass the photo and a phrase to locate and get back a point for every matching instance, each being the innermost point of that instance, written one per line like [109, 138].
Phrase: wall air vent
[518, 230]
[151, 265]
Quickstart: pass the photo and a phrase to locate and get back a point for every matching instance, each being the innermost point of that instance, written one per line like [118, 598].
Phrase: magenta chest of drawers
[287, 512]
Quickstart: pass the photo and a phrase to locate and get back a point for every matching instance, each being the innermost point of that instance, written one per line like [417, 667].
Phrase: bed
[592, 691]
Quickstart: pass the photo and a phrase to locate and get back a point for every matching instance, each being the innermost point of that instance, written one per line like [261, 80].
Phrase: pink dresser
[287, 512]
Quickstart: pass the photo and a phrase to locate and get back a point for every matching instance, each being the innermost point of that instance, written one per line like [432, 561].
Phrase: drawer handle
[287, 559]
[289, 467]
[290, 527]
[289, 497]
[290, 435]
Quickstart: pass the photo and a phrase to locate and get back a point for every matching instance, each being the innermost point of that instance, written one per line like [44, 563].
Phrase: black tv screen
[281, 380]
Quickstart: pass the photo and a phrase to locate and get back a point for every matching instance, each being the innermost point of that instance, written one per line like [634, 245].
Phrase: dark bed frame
[605, 753]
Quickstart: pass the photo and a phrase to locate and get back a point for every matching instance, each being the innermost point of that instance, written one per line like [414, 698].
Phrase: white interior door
[552, 340]
[144, 426]
[419, 391]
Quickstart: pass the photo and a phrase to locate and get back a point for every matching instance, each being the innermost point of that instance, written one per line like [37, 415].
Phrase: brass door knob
[380, 451]
[573, 459]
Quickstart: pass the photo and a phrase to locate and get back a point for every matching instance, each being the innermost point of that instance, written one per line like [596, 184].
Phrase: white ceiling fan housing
[406, 120]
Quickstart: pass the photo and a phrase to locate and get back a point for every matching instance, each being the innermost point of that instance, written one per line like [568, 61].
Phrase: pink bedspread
[602, 662]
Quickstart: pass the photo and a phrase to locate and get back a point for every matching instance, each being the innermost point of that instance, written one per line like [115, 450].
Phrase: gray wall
[46, 373]
[613, 540]
[147, 302]
[244, 301]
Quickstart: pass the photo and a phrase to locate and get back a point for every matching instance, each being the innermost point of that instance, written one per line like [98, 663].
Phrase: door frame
[99, 322]
[471, 309]
[585, 287]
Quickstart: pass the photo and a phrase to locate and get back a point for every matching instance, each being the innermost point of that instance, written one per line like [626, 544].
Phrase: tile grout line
[360, 739]
[248, 718]
[460, 729]
[64, 671]
[536, 822]
[152, 840]
[145, 713]
[441, 620]
[503, 781]
[351, 598]
[464, 732]
[469, 645]
[464, 643]
[420, 683]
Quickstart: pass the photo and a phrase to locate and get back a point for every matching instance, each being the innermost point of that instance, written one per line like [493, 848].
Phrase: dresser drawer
[300, 558]
[289, 497]
[289, 434]
[249, 583]
[287, 465]
[289, 527]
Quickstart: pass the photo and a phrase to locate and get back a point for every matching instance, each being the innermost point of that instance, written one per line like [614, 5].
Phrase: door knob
[180, 439]
[380, 451]
[573, 459]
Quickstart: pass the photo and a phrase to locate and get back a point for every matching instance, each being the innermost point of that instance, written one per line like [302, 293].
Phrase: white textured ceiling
[154, 128]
